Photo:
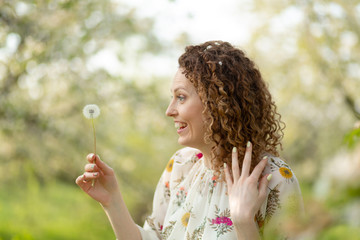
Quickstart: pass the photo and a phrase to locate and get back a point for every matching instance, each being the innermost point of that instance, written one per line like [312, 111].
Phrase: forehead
[180, 81]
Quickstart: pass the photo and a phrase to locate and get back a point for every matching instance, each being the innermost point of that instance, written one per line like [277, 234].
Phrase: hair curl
[237, 103]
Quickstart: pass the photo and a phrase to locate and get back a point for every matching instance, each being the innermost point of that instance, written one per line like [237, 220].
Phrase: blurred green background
[56, 56]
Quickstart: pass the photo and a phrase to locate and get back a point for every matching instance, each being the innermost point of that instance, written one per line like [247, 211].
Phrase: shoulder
[185, 155]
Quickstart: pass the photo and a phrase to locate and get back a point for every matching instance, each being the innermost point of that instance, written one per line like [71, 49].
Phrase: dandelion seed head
[91, 111]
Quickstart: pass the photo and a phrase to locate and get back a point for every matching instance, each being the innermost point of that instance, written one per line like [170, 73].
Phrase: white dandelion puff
[220, 63]
[91, 111]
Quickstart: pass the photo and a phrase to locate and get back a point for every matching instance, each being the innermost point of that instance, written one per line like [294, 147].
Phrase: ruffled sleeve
[154, 223]
[284, 202]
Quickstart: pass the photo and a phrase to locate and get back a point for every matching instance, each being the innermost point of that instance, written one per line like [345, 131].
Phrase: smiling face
[186, 108]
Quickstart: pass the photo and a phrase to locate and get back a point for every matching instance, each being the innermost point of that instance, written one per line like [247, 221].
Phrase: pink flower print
[196, 157]
[181, 188]
[222, 223]
[222, 220]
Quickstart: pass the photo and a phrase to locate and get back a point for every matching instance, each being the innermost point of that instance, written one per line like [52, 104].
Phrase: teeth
[179, 125]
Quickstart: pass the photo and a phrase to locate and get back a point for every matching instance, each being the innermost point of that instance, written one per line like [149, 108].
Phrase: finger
[85, 185]
[103, 166]
[259, 168]
[90, 175]
[264, 182]
[247, 160]
[91, 168]
[90, 157]
[235, 164]
[81, 181]
[228, 178]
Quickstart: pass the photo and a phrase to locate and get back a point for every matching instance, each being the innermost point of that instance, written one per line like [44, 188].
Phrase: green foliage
[58, 211]
[352, 138]
[340, 232]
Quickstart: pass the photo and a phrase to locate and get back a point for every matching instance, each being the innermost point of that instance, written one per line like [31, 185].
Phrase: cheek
[199, 117]
[199, 122]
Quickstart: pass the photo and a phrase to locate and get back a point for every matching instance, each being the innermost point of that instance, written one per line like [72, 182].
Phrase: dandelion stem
[93, 125]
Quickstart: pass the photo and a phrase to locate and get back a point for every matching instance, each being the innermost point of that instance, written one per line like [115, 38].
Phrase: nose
[171, 110]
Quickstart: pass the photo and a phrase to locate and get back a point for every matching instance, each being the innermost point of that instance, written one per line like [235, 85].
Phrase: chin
[186, 143]
[182, 142]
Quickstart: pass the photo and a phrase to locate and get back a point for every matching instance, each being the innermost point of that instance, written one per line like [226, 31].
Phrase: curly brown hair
[237, 103]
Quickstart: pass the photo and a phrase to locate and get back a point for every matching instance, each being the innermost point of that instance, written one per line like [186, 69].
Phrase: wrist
[247, 231]
[244, 221]
[112, 202]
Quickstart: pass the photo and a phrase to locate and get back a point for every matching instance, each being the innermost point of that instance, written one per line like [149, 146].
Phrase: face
[186, 110]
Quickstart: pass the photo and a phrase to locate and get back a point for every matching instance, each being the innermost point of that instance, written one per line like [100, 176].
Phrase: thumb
[103, 166]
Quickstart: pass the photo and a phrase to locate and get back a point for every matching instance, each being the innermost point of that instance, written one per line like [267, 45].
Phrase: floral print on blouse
[190, 203]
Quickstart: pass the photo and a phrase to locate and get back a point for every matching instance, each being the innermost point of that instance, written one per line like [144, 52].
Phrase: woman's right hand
[106, 187]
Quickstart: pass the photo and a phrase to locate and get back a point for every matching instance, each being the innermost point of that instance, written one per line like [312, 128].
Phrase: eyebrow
[178, 88]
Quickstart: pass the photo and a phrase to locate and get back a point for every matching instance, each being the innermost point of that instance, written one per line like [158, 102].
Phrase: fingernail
[265, 157]
[248, 144]
[95, 174]
[234, 149]
[269, 177]
[225, 165]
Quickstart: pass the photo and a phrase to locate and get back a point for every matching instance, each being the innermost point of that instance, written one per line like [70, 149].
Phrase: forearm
[123, 225]
[247, 231]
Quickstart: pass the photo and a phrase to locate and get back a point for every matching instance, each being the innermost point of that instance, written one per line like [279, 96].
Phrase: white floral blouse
[189, 203]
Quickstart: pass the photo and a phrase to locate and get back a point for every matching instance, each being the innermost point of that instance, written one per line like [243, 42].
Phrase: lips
[180, 126]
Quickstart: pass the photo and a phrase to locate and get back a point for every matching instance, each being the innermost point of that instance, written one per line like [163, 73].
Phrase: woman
[228, 183]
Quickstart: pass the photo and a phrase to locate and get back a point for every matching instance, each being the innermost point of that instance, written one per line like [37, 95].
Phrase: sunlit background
[58, 55]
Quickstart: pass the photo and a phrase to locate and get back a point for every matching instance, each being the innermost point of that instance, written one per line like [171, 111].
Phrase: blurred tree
[57, 56]
[309, 52]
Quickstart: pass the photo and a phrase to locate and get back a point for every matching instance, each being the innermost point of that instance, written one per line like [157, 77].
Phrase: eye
[181, 98]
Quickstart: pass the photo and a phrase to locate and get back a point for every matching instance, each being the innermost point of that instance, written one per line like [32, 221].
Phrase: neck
[207, 162]
[207, 156]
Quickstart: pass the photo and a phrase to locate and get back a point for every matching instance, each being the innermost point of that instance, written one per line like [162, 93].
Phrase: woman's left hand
[246, 192]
